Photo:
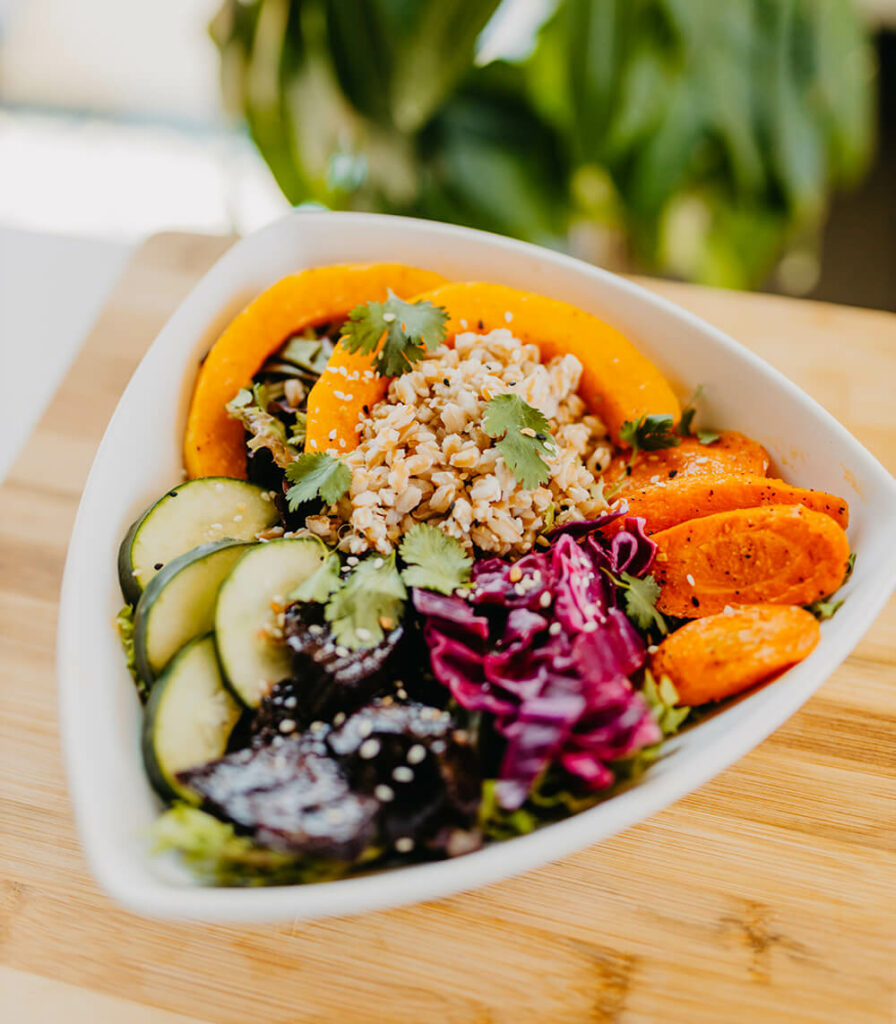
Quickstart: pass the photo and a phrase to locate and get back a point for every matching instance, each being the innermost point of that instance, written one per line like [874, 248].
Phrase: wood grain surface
[768, 895]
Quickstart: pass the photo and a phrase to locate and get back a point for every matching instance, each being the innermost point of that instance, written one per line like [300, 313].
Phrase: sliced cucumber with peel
[188, 719]
[250, 660]
[179, 603]
[193, 513]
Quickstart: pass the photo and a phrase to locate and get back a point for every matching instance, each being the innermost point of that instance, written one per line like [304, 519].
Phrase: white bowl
[140, 456]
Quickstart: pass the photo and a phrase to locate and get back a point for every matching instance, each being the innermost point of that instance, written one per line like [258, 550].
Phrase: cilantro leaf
[313, 474]
[823, 610]
[434, 560]
[124, 623]
[640, 600]
[685, 424]
[526, 440]
[321, 583]
[649, 434]
[368, 604]
[410, 329]
[265, 430]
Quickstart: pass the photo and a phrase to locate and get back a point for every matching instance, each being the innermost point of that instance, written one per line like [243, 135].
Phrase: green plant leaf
[433, 560]
[314, 475]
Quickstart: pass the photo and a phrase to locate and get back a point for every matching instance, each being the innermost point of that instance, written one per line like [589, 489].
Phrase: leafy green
[216, 854]
[433, 560]
[368, 604]
[640, 600]
[297, 437]
[662, 699]
[315, 474]
[307, 353]
[526, 438]
[124, 622]
[553, 795]
[498, 824]
[410, 328]
[850, 565]
[251, 409]
[649, 433]
[824, 609]
[321, 583]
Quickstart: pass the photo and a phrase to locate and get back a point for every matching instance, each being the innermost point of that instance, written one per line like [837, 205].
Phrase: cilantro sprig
[433, 560]
[641, 594]
[525, 438]
[368, 604]
[407, 329]
[315, 474]
[685, 424]
[649, 433]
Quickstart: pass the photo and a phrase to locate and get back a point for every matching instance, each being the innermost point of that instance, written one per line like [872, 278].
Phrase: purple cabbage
[558, 695]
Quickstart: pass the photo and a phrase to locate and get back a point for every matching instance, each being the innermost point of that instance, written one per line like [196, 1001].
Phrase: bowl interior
[140, 456]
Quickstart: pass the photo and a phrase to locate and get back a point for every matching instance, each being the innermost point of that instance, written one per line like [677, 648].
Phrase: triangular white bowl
[140, 456]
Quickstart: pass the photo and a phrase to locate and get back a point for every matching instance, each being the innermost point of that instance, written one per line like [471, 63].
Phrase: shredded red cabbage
[541, 645]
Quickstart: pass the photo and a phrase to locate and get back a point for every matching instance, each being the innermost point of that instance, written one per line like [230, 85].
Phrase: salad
[450, 562]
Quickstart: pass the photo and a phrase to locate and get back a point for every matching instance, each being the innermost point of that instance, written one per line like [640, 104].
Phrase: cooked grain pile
[423, 455]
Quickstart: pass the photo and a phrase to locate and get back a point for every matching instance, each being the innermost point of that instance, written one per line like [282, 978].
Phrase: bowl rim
[135, 887]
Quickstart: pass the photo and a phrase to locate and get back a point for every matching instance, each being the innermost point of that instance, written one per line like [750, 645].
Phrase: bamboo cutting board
[769, 895]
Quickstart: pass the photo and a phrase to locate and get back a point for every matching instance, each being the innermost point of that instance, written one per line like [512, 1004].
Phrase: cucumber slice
[251, 662]
[194, 513]
[179, 603]
[188, 718]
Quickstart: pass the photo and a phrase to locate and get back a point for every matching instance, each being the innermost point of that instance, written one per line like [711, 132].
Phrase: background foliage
[697, 137]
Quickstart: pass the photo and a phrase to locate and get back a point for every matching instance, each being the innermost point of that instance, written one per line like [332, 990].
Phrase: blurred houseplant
[694, 137]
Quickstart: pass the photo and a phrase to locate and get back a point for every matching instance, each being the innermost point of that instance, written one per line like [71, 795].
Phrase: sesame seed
[340, 395]
[362, 633]
[404, 844]
[317, 727]
[287, 725]
[237, 518]
[332, 435]
[545, 599]
[652, 649]
[554, 628]
[216, 526]
[384, 793]
[290, 702]
[352, 560]
[369, 748]
[339, 718]
[341, 652]
[508, 317]
[690, 579]
[589, 627]
[527, 432]
[315, 630]
[403, 774]
[219, 487]
[343, 371]
[348, 398]
[463, 324]
[388, 317]
[416, 753]
[401, 693]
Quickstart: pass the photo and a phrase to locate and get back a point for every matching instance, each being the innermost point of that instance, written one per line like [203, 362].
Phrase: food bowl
[140, 456]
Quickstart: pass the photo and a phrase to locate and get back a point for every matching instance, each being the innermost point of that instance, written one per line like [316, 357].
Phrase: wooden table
[766, 896]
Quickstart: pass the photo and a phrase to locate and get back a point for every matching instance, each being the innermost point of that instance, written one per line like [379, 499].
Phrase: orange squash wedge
[213, 442]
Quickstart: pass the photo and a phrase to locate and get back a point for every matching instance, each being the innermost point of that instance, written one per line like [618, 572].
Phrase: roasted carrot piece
[731, 453]
[776, 554]
[721, 655]
[618, 382]
[213, 442]
[670, 502]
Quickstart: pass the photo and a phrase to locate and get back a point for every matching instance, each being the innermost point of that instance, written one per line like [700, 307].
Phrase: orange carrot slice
[777, 554]
[721, 655]
[213, 442]
[670, 502]
[731, 453]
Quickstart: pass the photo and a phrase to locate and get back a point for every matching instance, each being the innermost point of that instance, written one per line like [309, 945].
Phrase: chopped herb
[526, 438]
[850, 565]
[124, 622]
[321, 583]
[433, 560]
[315, 474]
[685, 424]
[251, 409]
[410, 328]
[640, 600]
[308, 354]
[649, 434]
[824, 609]
[368, 604]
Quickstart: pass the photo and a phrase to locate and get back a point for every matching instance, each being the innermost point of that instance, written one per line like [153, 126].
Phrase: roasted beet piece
[291, 795]
[330, 678]
[422, 770]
